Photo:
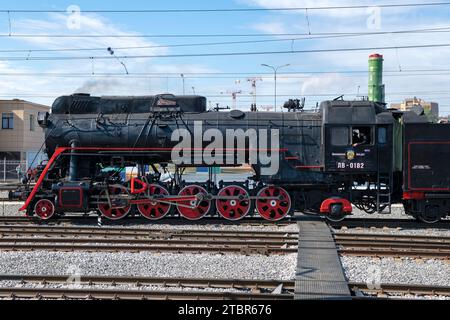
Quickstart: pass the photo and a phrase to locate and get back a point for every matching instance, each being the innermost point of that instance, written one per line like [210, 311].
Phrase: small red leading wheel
[44, 209]
[273, 209]
[119, 207]
[233, 209]
[155, 210]
[201, 209]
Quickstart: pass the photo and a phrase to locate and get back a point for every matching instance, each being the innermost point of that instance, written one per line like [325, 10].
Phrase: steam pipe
[73, 166]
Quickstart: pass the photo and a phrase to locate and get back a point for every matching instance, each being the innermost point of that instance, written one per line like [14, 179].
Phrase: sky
[317, 76]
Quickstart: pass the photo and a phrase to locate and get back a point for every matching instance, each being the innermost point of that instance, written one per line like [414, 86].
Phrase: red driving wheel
[273, 209]
[201, 209]
[44, 209]
[154, 210]
[117, 210]
[233, 209]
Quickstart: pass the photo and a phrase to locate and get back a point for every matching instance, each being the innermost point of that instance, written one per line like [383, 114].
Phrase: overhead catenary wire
[130, 75]
[306, 36]
[219, 43]
[211, 10]
[215, 54]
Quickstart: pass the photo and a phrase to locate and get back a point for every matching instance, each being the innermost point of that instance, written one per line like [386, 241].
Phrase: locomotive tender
[312, 161]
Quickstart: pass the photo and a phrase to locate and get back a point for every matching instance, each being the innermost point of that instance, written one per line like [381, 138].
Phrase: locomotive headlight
[350, 155]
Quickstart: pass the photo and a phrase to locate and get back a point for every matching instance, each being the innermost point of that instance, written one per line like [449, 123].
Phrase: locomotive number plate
[350, 165]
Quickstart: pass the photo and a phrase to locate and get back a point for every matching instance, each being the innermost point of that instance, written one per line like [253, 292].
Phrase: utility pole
[275, 70]
[253, 93]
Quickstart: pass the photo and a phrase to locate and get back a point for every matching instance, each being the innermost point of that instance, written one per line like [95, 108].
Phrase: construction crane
[253, 93]
[234, 94]
[267, 108]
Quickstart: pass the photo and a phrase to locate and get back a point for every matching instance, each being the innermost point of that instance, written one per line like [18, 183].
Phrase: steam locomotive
[320, 162]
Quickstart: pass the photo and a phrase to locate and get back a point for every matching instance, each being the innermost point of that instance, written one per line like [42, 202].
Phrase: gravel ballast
[281, 267]
[396, 270]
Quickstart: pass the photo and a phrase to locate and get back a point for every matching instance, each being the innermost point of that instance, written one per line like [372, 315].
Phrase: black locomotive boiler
[322, 162]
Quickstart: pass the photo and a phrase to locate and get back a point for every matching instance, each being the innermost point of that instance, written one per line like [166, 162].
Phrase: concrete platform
[319, 270]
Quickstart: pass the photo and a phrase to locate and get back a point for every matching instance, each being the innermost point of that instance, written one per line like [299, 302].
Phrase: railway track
[14, 186]
[387, 223]
[138, 239]
[160, 288]
[92, 219]
[393, 245]
[89, 230]
[72, 238]
[138, 288]
[400, 289]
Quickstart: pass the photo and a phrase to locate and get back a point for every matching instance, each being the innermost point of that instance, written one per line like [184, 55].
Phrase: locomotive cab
[357, 138]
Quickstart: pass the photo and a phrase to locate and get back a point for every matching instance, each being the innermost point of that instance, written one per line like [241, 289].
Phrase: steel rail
[211, 241]
[416, 289]
[257, 221]
[145, 231]
[117, 294]
[137, 281]
[10, 200]
[389, 237]
[394, 252]
[393, 245]
[389, 223]
[253, 288]
[239, 249]
[151, 236]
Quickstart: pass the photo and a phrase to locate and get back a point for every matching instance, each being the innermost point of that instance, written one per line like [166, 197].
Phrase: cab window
[340, 136]
[382, 135]
[361, 136]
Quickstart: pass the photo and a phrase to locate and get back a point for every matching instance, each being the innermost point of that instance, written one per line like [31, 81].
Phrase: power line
[310, 37]
[307, 36]
[222, 53]
[131, 75]
[143, 10]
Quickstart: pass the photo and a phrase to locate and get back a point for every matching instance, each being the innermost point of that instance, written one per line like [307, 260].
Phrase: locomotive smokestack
[376, 86]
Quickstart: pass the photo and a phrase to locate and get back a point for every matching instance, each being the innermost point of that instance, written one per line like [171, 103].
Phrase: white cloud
[312, 4]
[270, 27]
[90, 24]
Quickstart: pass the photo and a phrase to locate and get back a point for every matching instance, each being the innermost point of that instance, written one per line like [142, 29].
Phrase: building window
[32, 122]
[7, 121]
